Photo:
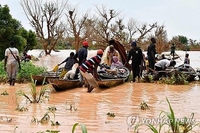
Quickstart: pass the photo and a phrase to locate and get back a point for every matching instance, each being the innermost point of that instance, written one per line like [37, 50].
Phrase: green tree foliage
[8, 28]
[181, 42]
[30, 38]
[11, 29]
[183, 39]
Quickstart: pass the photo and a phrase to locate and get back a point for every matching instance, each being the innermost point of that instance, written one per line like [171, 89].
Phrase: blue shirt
[81, 55]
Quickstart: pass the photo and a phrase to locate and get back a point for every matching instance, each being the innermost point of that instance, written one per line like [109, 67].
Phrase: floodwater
[91, 108]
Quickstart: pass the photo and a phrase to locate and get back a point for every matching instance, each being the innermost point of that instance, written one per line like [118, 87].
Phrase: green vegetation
[52, 131]
[187, 125]
[147, 78]
[34, 98]
[49, 131]
[71, 106]
[144, 106]
[83, 127]
[52, 109]
[21, 109]
[5, 93]
[47, 118]
[110, 114]
[176, 125]
[27, 70]
[176, 79]
[6, 119]
[3, 74]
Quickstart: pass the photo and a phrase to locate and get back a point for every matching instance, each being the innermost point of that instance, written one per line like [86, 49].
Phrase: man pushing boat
[88, 70]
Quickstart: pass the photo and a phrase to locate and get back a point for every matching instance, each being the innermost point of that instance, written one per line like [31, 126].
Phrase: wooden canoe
[106, 83]
[46, 76]
[64, 84]
[168, 56]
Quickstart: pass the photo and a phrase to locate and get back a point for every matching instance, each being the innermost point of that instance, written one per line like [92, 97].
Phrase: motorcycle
[105, 72]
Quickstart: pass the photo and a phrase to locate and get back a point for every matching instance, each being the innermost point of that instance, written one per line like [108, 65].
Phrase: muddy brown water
[91, 108]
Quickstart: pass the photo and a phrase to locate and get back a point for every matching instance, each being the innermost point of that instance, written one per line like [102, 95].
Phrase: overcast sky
[180, 17]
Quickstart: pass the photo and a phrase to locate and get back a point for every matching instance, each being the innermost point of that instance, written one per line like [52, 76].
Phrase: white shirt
[10, 56]
[164, 63]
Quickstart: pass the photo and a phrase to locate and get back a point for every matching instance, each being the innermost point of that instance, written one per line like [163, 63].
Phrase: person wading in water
[151, 52]
[88, 70]
[11, 63]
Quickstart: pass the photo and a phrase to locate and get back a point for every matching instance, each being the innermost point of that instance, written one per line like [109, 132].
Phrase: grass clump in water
[34, 97]
[144, 106]
[47, 118]
[176, 125]
[176, 79]
[5, 93]
[83, 127]
[110, 114]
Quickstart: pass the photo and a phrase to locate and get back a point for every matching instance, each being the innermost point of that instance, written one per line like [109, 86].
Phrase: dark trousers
[135, 70]
[173, 53]
[160, 73]
[158, 68]
[151, 64]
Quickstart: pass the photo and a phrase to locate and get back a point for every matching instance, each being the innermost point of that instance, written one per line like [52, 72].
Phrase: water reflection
[92, 108]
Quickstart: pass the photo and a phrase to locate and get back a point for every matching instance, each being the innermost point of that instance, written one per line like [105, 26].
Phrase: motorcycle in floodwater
[184, 69]
[105, 72]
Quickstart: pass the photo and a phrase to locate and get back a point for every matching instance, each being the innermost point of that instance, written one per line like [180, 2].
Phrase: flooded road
[92, 108]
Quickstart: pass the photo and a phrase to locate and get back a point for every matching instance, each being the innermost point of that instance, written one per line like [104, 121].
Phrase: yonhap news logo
[134, 120]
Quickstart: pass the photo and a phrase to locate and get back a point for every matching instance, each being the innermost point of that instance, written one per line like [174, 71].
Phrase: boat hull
[106, 83]
[44, 77]
[63, 85]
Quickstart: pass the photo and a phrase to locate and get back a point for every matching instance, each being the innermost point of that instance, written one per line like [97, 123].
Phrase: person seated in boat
[116, 63]
[163, 56]
[187, 61]
[73, 73]
[109, 52]
[88, 70]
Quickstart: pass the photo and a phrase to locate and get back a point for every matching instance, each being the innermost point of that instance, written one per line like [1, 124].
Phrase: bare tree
[131, 27]
[103, 23]
[76, 26]
[144, 29]
[161, 39]
[118, 30]
[139, 32]
[45, 18]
